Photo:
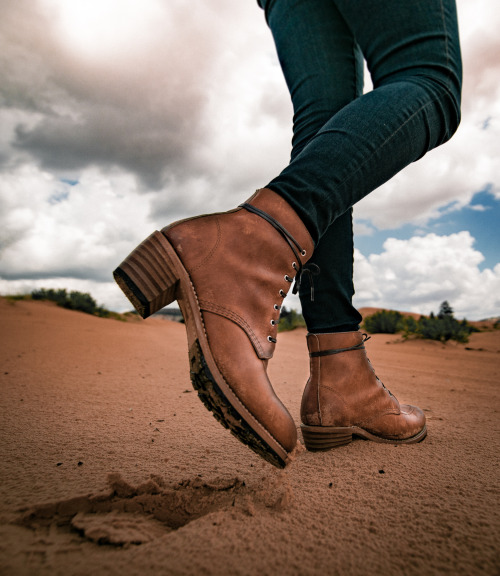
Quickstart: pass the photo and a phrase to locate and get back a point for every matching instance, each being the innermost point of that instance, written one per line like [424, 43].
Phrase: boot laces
[300, 269]
[373, 370]
[311, 270]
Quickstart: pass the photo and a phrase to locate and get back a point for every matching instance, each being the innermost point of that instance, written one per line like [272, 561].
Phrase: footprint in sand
[128, 515]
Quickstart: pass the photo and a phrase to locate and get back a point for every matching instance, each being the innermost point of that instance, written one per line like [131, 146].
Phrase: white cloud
[191, 118]
[416, 275]
[52, 229]
[167, 106]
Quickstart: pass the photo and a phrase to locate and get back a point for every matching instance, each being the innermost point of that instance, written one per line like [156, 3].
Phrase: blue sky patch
[481, 218]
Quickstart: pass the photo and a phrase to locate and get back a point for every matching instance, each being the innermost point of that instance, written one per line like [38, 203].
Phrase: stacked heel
[148, 275]
[318, 438]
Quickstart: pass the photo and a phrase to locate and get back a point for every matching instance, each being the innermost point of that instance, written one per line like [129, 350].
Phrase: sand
[109, 463]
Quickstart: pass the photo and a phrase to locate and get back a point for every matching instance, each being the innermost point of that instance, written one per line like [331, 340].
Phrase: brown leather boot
[343, 397]
[229, 273]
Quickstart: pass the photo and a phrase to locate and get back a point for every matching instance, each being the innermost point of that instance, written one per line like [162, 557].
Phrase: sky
[118, 117]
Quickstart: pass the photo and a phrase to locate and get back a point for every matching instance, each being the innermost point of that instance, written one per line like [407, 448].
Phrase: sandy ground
[109, 463]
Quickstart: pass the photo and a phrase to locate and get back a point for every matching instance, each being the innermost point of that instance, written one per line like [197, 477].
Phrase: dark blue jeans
[346, 144]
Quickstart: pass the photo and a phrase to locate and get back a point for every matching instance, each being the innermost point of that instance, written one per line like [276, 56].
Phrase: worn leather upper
[344, 391]
[237, 262]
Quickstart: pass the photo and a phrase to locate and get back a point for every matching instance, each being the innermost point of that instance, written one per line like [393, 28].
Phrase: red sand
[109, 464]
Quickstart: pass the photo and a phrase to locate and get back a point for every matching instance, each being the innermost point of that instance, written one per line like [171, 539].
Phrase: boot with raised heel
[344, 399]
[229, 273]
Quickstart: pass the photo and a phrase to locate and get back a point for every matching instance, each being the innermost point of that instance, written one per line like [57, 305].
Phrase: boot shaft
[342, 389]
[343, 397]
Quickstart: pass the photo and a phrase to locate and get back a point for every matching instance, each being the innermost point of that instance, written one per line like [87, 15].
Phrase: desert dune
[109, 463]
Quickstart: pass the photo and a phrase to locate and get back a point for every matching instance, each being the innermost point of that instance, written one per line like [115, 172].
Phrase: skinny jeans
[346, 144]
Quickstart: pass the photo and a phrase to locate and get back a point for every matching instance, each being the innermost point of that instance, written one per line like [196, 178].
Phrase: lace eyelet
[294, 265]
[303, 253]
[282, 294]
[271, 339]
[287, 278]
[273, 323]
[276, 307]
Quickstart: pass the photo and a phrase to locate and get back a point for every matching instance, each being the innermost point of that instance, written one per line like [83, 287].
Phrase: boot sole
[319, 438]
[151, 277]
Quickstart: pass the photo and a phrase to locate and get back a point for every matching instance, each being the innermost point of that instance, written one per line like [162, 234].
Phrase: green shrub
[59, 296]
[443, 327]
[384, 322]
[81, 301]
[290, 319]
[409, 326]
[17, 297]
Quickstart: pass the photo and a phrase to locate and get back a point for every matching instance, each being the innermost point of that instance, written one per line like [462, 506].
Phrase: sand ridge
[111, 465]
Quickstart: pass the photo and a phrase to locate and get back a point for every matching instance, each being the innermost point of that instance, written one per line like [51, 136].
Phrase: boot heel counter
[195, 239]
[309, 407]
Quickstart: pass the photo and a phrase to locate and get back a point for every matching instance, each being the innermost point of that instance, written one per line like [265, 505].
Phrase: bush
[442, 327]
[384, 322]
[81, 301]
[409, 326]
[58, 296]
[17, 297]
[290, 319]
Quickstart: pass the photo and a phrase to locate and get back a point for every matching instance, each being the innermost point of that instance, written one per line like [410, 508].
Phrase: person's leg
[230, 271]
[323, 69]
[413, 54]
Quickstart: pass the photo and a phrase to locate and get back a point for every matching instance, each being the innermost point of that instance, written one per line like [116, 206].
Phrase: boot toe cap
[246, 376]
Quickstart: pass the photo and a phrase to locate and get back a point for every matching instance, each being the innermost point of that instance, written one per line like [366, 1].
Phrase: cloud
[199, 102]
[50, 228]
[416, 275]
[184, 110]
[471, 160]
[163, 108]
[479, 21]
[127, 112]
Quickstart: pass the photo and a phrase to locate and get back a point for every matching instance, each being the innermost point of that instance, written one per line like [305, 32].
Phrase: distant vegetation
[290, 319]
[443, 326]
[73, 300]
[384, 322]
